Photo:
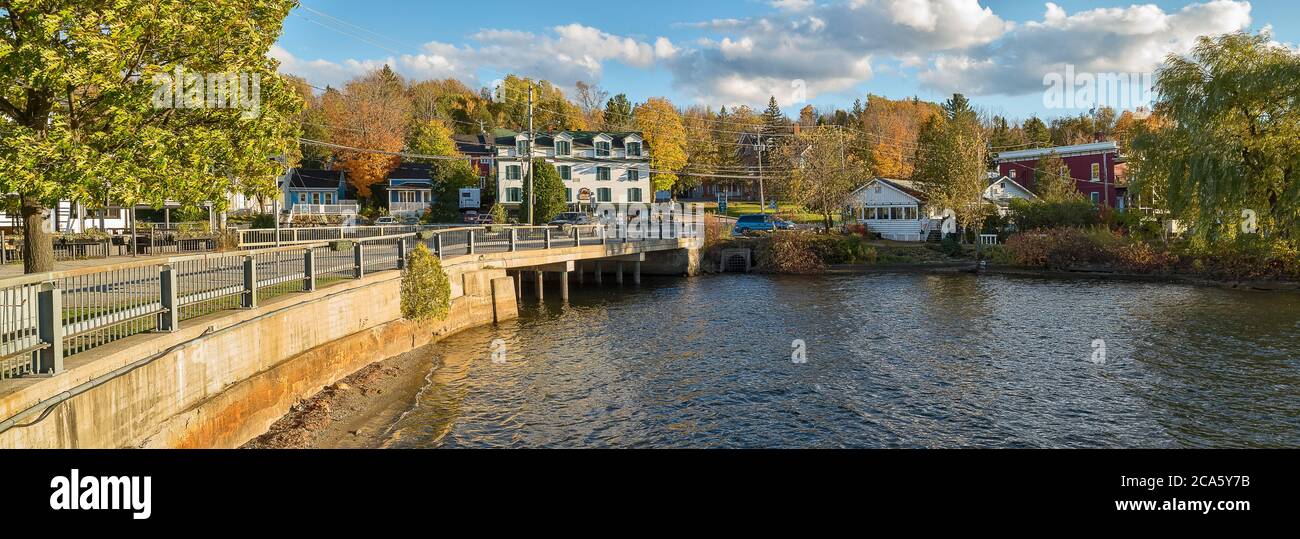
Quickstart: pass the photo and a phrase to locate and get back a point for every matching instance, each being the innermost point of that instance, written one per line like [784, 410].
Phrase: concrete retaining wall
[221, 380]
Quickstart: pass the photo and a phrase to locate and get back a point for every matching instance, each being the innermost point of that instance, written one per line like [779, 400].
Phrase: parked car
[386, 220]
[471, 217]
[410, 221]
[760, 222]
[571, 218]
[485, 219]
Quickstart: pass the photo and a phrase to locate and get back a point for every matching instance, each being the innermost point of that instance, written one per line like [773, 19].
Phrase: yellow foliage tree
[661, 125]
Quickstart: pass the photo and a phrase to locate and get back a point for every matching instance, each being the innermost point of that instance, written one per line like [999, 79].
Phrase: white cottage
[895, 209]
[1002, 190]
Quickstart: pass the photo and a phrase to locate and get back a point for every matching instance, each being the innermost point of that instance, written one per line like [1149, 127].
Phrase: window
[315, 198]
[568, 194]
[1096, 197]
[566, 172]
[329, 198]
[1096, 172]
[911, 213]
[882, 213]
[602, 148]
[634, 149]
[604, 195]
[896, 213]
[302, 198]
[521, 147]
[514, 194]
[633, 175]
[602, 173]
[563, 147]
[1013, 174]
[512, 172]
[634, 194]
[877, 189]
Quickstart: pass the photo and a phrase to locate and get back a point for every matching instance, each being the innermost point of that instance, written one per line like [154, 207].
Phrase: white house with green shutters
[596, 167]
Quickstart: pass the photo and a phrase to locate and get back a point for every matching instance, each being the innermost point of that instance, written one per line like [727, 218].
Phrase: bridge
[66, 335]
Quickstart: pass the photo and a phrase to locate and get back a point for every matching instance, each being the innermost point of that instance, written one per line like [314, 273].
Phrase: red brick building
[1092, 166]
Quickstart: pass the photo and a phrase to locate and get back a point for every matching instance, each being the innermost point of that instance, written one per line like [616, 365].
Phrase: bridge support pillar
[519, 284]
[636, 273]
[540, 274]
[598, 273]
[564, 286]
[618, 273]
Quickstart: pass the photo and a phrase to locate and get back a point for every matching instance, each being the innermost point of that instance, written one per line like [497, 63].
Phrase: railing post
[359, 261]
[308, 270]
[49, 323]
[577, 241]
[171, 316]
[603, 239]
[250, 283]
[4, 250]
[401, 253]
[547, 234]
[470, 243]
[513, 233]
[437, 244]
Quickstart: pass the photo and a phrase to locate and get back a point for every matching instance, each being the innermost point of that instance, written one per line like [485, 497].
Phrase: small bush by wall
[426, 291]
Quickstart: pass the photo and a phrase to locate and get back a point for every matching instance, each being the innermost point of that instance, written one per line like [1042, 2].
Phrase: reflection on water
[892, 361]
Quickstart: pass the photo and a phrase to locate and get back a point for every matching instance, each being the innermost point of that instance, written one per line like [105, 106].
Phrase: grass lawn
[794, 212]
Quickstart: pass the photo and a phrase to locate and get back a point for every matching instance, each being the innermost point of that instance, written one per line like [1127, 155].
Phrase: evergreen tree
[618, 113]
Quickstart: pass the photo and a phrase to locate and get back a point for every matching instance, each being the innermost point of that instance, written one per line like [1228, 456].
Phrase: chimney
[796, 128]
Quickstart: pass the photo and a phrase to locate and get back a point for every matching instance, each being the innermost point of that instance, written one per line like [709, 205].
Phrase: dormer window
[521, 147]
[602, 148]
[634, 149]
[563, 148]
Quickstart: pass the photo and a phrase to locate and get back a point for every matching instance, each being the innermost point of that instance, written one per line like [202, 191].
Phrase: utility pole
[531, 195]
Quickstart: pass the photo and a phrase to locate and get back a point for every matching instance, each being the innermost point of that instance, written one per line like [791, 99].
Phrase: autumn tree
[826, 173]
[590, 100]
[950, 169]
[89, 107]
[661, 126]
[702, 149]
[372, 112]
[314, 124]
[890, 134]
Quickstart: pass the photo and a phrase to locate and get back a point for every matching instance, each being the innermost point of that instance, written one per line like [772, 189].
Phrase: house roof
[1062, 151]
[312, 178]
[580, 138]
[907, 187]
[411, 171]
[474, 144]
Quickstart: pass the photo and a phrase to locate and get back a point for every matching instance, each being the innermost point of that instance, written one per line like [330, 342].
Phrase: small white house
[1002, 190]
[895, 209]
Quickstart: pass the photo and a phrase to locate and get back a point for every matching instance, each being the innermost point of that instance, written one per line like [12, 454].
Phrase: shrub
[838, 248]
[950, 246]
[426, 291]
[1140, 257]
[1036, 214]
[498, 213]
[790, 252]
[263, 220]
[1054, 248]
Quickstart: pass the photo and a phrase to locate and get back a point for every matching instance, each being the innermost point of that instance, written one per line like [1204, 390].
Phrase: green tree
[1232, 142]
[449, 177]
[83, 115]
[618, 113]
[550, 193]
[1052, 180]
[430, 137]
[1036, 133]
[826, 175]
[426, 291]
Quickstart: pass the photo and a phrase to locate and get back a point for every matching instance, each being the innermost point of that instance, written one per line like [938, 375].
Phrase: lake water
[890, 360]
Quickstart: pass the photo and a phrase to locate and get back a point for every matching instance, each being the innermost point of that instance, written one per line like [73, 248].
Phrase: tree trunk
[38, 242]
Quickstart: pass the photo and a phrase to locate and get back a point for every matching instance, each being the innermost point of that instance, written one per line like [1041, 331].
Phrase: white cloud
[791, 5]
[829, 47]
[1133, 39]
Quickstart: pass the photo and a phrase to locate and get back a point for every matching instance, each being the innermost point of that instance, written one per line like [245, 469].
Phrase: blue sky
[738, 52]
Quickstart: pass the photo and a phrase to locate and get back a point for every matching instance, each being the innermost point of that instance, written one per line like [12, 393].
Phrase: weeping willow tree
[1225, 157]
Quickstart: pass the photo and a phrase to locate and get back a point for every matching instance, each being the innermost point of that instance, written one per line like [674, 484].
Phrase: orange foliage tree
[371, 112]
[894, 126]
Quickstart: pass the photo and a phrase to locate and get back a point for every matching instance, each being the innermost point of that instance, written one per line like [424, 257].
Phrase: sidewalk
[15, 269]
